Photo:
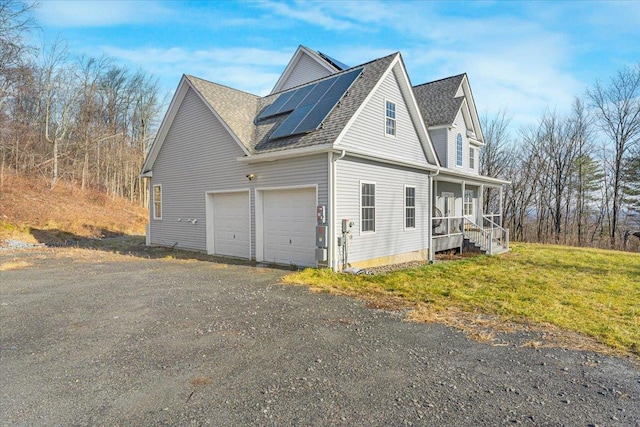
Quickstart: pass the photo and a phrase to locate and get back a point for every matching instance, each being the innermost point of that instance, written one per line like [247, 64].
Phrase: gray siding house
[339, 166]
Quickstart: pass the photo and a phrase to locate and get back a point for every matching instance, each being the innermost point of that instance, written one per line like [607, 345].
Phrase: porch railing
[498, 234]
[447, 225]
[494, 218]
[489, 237]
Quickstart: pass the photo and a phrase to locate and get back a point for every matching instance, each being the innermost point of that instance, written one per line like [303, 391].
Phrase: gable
[442, 100]
[366, 132]
[186, 86]
[471, 111]
[304, 67]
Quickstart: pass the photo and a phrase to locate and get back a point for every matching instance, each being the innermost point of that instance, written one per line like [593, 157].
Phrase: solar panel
[318, 91]
[339, 65]
[311, 106]
[341, 85]
[289, 125]
[298, 95]
[272, 109]
[316, 116]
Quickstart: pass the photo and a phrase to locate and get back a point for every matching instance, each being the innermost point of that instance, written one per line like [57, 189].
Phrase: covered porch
[467, 214]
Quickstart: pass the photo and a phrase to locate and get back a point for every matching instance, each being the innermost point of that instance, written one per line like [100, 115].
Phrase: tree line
[82, 119]
[575, 178]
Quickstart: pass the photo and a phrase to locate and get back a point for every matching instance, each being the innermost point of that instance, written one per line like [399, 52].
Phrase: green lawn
[590, 291]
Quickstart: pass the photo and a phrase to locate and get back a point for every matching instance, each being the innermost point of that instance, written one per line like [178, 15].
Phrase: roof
[333, 62]
[437, 100]
[235, 107]
[239, 109]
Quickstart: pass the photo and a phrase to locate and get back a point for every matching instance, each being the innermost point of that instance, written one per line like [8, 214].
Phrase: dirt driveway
[94, 338]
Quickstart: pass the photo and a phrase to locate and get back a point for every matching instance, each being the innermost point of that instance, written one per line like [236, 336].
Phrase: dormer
[307, 65]
[450, 114]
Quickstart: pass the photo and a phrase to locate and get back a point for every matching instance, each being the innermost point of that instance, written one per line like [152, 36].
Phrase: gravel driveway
[94, 338]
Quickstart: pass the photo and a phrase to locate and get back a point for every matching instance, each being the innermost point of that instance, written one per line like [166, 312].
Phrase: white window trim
[472, 158]
[153, 196]
[465, 204]
[395, 119]
[374, 208]
[461, 150]
[404, 216]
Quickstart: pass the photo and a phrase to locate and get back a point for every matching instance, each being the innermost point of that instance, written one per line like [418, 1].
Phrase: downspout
[332, 208]
[430, 215]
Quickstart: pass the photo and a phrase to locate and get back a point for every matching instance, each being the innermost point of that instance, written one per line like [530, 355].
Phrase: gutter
[332, 260]
[430, 215]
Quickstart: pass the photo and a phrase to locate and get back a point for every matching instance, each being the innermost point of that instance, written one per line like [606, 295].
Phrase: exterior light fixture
[250, 177]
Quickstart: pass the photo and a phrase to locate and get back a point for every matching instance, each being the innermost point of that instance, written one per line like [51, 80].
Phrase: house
[337, 166]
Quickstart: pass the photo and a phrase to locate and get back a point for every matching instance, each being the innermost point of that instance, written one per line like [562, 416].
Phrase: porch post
[501, 190]
[480, 206]
[464, 188]
[432, 200]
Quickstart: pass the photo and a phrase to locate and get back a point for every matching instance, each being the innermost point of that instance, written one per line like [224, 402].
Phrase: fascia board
[287, 71]
[285, 154]
[376, 87]
[436, 127]
[416, 116]
[464, 107]
[370, 156]
[366, 100]
[472, 108]
[452, 176]
[181, 91]
[294, 62]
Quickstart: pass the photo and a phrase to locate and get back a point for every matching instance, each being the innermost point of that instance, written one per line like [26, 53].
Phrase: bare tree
[617, 108]
[15, 21]
[59, 98]
[497, 154]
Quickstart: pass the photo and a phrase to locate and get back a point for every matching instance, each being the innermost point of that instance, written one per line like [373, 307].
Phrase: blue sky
[520, 55]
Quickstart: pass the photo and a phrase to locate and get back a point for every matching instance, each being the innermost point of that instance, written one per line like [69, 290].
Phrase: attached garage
[287, 232]
[229, 224]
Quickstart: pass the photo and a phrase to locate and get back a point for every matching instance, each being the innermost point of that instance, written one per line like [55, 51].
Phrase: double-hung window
[472, 158]
[468, 203]
[368, 207]
[409, 207]
[459, 150]
[390, 118]
[157, 201]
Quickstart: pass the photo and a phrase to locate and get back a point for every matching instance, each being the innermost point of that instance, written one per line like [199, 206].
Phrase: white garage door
[231, 224]
[290, 226]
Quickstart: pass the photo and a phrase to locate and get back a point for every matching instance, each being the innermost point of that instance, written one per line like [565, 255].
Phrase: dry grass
[584, 298]
[33, 212]
[14, 265]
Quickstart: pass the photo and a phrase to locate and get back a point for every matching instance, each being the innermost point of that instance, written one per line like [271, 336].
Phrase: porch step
[469, 245]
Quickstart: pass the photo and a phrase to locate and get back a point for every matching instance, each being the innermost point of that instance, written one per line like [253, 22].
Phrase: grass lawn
[588, 291]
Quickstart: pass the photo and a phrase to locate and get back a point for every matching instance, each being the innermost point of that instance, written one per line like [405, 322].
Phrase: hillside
[33, 212]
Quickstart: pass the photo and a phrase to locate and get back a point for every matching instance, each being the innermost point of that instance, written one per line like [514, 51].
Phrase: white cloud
[65, 13]
[311, 13]
[249, 69]
[514, 61]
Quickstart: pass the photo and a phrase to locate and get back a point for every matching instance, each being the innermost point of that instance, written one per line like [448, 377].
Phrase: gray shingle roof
[239, 109]
[236, 108]
[437, 102]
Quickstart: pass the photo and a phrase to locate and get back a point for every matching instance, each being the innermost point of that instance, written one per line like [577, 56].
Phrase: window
[409, 207]
[390, 115]
[468, 202]
[157, 202]
[459, 150]
[368, 204]
[472, 158]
